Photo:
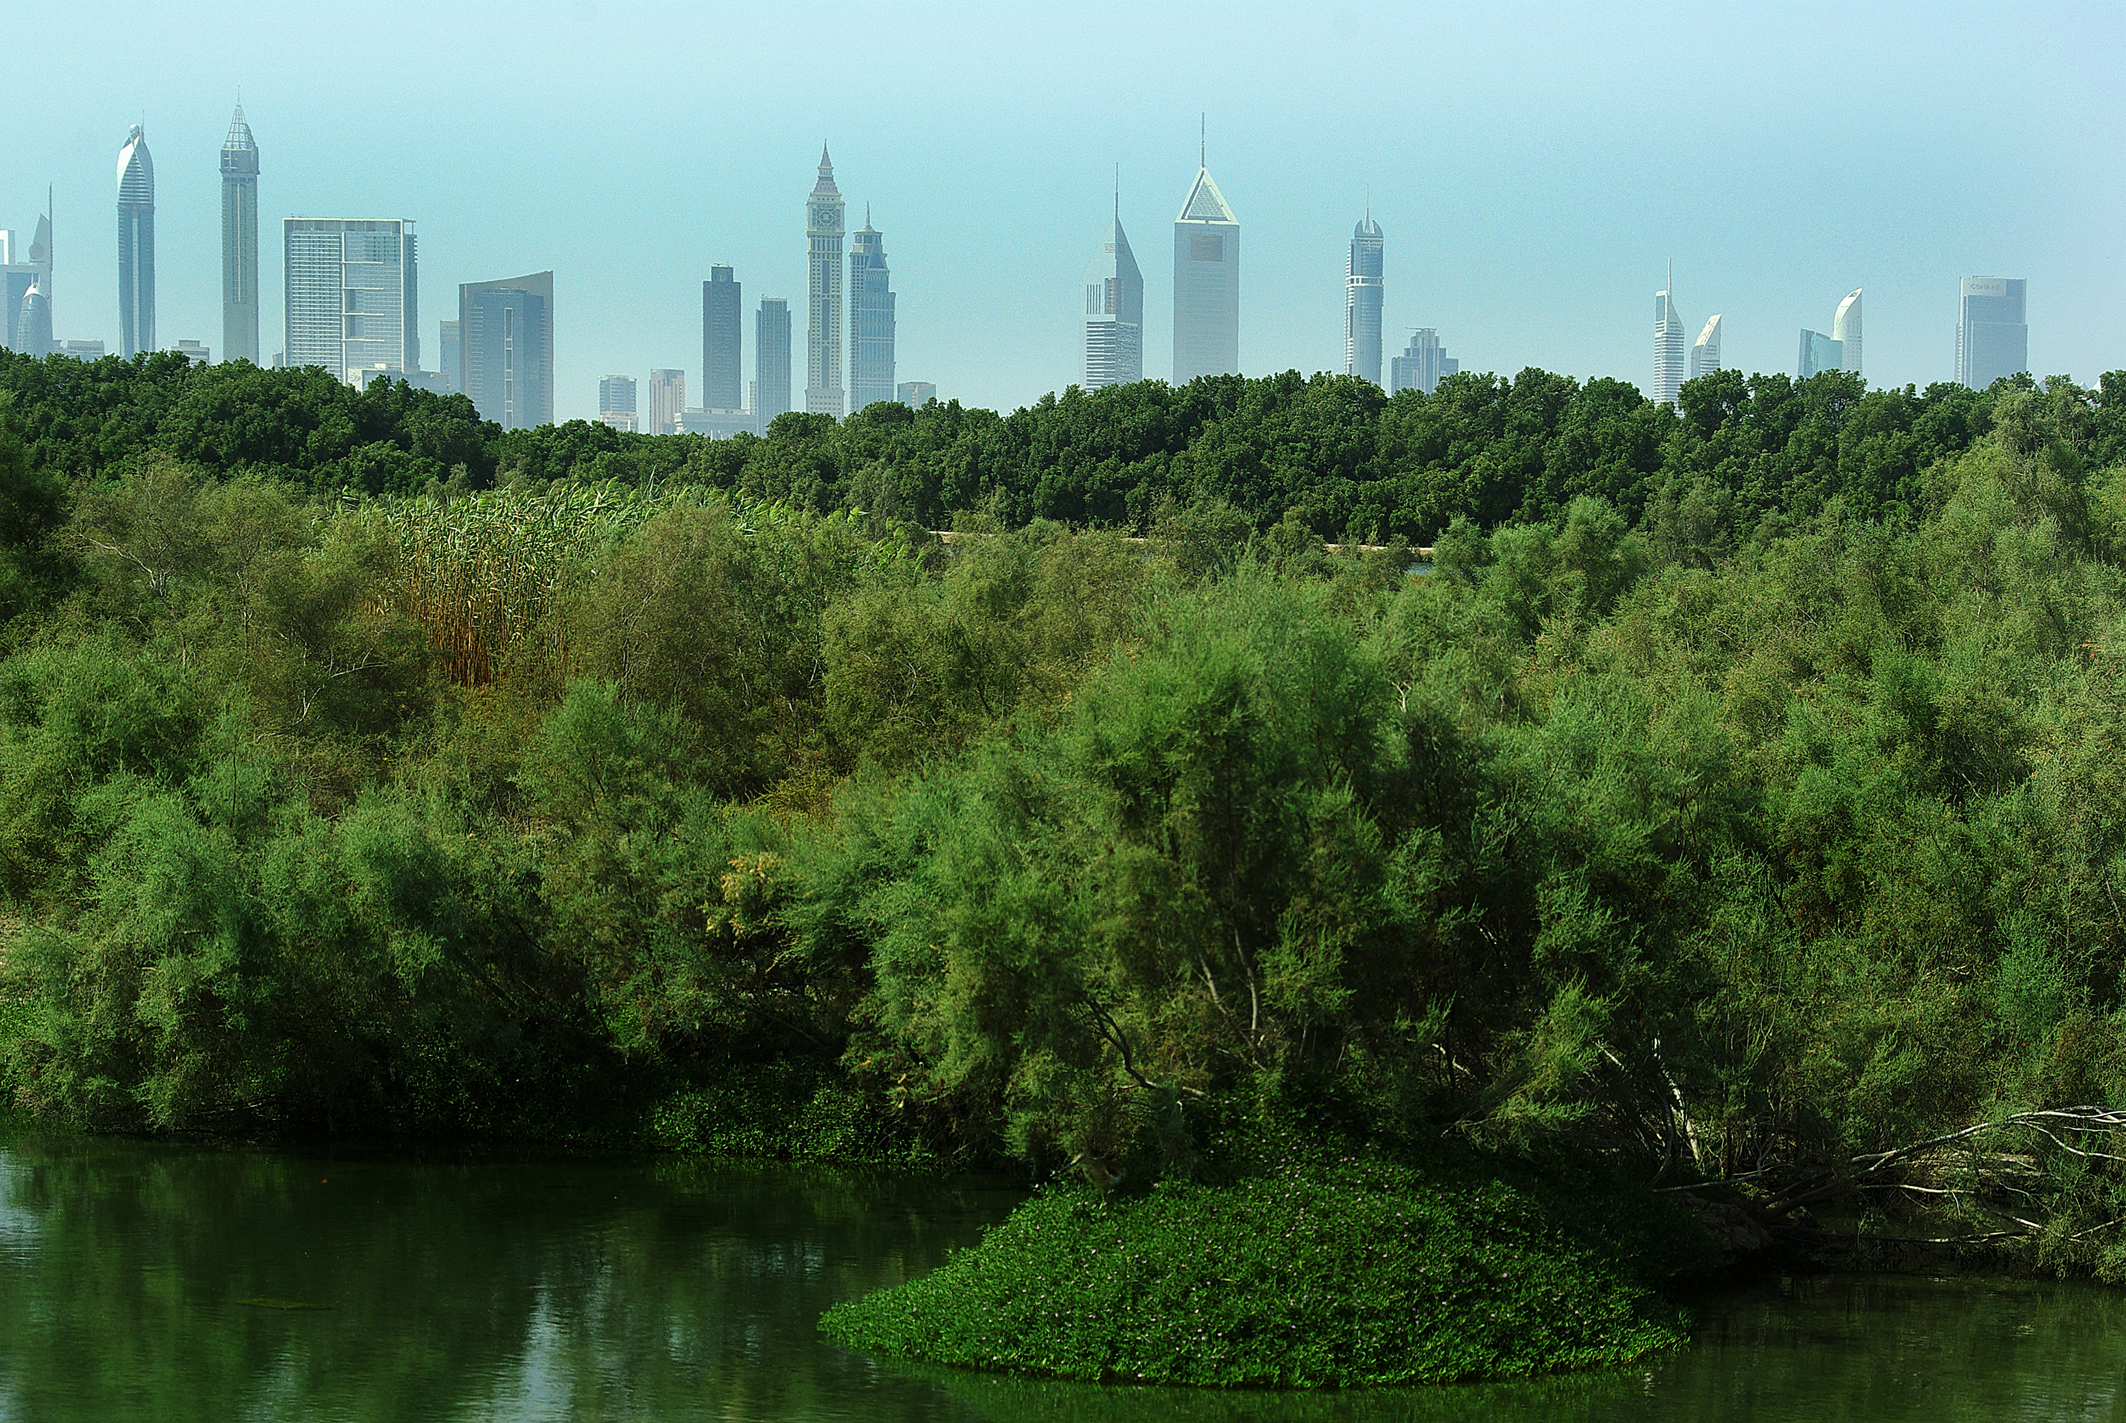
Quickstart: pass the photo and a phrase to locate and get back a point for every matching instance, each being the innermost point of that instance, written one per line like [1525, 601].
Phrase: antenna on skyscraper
[1203, 132]
[1118, 192]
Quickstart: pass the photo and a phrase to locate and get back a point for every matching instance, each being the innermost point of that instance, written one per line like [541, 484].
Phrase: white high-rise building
[21, 273]
[823, 332]
[1705, 354]
[1669, 339]
[668, 399]
[239, 242]
[353, 295]
[1423, 365]
[1114, 314]
[1845, 330]
[1362, 300]
[136, 246]
[1206, 284]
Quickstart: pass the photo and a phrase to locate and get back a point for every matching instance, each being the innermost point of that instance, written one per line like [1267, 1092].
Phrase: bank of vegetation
[1737, 799]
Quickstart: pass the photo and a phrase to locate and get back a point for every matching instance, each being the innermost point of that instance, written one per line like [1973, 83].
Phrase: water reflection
[143, 1280]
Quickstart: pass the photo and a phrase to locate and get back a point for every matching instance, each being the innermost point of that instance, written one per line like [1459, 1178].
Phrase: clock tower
[823, 336]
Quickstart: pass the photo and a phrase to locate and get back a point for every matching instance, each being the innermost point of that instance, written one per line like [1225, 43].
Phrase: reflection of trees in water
[491, 1289]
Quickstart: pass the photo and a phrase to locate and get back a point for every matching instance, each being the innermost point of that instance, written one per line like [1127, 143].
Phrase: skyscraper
[722, 334]
[1845, 330]
[506, 349]
[823, 331]
[1992, 337]
[239, 242]
[19, 272]
[136, 246]
[1818, 353]
[1206, 284]
[668, 397]
[771, 360]
[450, 356]
[915, 394]
[1423, 366]
[1114, 313]
[33, 324]
[870, 319]
[352, 293]
[616, 401]
[1705, 354]
[1362, 299]
[1668, 347]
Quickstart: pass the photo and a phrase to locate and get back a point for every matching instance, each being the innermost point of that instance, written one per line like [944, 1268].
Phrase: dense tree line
[1334, 453]
[1738, 788]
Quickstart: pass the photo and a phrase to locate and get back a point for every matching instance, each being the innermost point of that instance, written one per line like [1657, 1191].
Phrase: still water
[144, 1281]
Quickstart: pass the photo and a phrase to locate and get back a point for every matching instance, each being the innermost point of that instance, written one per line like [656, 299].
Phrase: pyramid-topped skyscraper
[1206, 284]
[823, 332]
[136, 245]
[239, 242]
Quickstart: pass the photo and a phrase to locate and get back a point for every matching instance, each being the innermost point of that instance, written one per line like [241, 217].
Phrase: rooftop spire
[1203, 136]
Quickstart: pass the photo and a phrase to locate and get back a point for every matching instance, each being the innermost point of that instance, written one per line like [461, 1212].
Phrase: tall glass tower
[1992, 333]
[823, 333]
[1705, 353]
[771, 360]
[1206, 284]
[870, 319]
[351, 292]
[721, 338]
[1362, 300]
[136, 245]
[1669, 339]
[20, 273]
[506, 347]
[1845, 330]
[239, 242]
[1114, 314]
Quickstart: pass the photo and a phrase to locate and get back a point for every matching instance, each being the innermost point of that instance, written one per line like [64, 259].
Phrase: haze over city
[1535, 169]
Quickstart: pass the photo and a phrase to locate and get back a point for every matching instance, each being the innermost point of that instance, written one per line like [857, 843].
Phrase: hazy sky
[1535, 167]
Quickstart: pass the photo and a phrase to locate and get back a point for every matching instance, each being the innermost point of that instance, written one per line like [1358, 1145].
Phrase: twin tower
[1206, 296]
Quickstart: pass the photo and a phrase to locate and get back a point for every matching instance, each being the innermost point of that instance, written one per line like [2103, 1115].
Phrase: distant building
[722, 334]
[352, 293]
[823, 331]
[1206, 284]
[198, 353]
[33, 324]
[1845, 330]
[716, 424]
[771, 360]
[616, 401]
[432, 381]
[1705, 353]
[506, 345]
[1992, 333]
[1818, 353]
[80, 350]
[1668, 349]
[19, 272]
[239, 242]
[136, 246]
[450, 355]
[915, 394]
[668, 397]
[870, 319]
[1362, 300]
[1423, 366]
[1114, 314]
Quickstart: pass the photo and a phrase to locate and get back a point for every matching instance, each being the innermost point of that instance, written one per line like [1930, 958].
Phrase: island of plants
[1726, 819]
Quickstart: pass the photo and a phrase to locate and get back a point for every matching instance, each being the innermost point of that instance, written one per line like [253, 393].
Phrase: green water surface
[150, 1281]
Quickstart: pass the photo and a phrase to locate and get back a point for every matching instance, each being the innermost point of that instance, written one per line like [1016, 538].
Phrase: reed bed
[480, 573]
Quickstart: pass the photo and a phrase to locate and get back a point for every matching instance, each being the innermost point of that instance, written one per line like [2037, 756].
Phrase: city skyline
[1525, 250]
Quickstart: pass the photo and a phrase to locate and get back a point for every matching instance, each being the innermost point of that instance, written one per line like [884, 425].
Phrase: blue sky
[1535, 167]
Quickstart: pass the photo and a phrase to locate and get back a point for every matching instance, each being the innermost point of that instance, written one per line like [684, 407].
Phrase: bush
[1363, 1274]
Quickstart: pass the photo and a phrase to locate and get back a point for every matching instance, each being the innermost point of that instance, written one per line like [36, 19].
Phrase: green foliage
[1356, 1274]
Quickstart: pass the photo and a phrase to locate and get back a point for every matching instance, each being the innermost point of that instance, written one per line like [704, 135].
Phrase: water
[170, 1282]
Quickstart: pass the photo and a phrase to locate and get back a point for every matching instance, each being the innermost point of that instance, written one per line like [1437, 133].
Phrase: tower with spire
[1670, 339]
[1114, 311]
[1206, 282]
[21, 274]
[823, 331]
[239, 241]
[870, 318]
[136, 245]
[1362, 299]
